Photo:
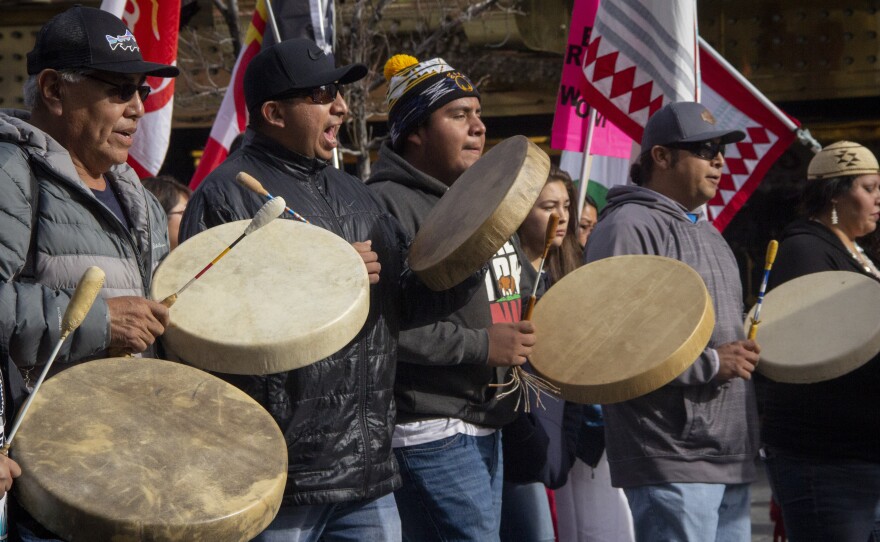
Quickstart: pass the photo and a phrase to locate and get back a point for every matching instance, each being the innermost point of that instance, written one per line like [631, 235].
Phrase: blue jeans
[690, 512]
[368, 521]
[828, 499]
[525, 513]
[451, 489]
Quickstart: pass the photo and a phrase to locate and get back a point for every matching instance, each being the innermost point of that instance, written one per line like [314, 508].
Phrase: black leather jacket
[337, 415]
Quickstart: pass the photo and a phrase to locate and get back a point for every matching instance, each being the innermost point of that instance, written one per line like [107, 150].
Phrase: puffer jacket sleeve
[30, 314]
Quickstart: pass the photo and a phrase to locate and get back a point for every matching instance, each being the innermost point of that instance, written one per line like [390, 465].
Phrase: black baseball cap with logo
[90, 38]
[685, 122]
[294, 64]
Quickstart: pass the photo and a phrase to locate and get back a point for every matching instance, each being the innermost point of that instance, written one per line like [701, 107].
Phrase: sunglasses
[125, 91]
[707, 150]
[322, 95]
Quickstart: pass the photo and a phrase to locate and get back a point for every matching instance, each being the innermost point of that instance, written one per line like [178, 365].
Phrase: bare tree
[367, 38]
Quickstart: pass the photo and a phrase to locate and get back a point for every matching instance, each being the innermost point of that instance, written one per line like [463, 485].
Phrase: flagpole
[270, 14]
[698, 76]
[587, 163]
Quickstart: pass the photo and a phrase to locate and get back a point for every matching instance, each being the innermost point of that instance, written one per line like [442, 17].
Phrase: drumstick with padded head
[768, 264]
[256, 186]
[267, 213]
[77, 309]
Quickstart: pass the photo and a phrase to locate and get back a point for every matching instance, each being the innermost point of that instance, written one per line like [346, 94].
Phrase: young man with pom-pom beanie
[447, 439]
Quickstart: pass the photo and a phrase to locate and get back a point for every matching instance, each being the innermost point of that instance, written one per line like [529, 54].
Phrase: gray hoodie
[692, 429]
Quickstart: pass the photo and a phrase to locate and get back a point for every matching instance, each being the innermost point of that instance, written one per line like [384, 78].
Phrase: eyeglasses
[125, 91]
[707, 150]
[322, 95]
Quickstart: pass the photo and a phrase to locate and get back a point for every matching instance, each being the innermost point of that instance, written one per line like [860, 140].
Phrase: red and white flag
[155, 27]
[634, 66]
[232, 118]
[769, 132]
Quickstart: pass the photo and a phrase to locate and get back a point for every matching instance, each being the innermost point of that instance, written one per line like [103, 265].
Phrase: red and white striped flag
[232, 118]
[155, 27]
[634, 66]
[769, 132]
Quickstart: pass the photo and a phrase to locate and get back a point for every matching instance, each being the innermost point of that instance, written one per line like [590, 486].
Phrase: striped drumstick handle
[529, 308]
[249, 182]
[268, 212]
[772, 248]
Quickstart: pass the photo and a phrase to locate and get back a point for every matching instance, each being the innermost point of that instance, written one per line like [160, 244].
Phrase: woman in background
[822, 440]
[537, 454]
[173, 196]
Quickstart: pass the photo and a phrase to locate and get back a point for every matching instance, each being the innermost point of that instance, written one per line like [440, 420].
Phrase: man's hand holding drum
[737, 359]
[135, 323]
[9, 469]
[371, 259]
[510, 343]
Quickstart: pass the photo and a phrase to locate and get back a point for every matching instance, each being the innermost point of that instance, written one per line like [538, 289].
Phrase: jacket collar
[275, 152]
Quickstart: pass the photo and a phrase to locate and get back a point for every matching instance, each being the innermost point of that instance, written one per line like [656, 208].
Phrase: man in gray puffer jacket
[68, 201]
[684, 453]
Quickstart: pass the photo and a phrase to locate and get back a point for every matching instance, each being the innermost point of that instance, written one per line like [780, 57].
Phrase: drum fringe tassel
[523, 382]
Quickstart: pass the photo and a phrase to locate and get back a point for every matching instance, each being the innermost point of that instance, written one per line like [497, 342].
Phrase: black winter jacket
[836, 418]
[338, 414]
[442, 370]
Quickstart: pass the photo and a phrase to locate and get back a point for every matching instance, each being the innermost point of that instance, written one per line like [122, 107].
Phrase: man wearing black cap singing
[685, 453]
[337, 414]
[69, 201]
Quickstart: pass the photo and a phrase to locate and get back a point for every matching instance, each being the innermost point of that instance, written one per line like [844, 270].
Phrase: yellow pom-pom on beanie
[397, 63]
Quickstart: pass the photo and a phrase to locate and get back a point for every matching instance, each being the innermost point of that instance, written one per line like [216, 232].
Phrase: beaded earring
[834, 219]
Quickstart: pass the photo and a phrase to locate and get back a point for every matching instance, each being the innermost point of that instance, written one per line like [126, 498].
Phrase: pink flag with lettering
[569, 122]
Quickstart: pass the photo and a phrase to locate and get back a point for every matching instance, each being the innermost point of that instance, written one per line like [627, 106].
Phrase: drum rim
[33, 495]
[443, 271]
[288, 353]
[786, 372]
[676, 362]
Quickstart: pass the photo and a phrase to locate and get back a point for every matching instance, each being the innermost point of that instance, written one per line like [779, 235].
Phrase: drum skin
[818, 326]
[479, 213]
[286, 296]
[142, 449]
[621, 327]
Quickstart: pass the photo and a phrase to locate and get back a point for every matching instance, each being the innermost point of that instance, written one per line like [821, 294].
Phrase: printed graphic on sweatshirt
[502, 285]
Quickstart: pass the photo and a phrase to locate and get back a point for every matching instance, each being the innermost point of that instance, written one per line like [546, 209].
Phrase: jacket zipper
[362, 350]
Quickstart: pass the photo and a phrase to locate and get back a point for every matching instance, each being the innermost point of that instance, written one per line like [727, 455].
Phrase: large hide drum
[479, 213]
[621, 327]
[143, 449]
[818, 327]
[287, 295]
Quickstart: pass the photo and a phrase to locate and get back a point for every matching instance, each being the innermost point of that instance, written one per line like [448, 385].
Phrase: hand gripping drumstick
[768, 263]
[254, 185]
[548, 242]
[77, 309]
[520, 379]
[267, 213]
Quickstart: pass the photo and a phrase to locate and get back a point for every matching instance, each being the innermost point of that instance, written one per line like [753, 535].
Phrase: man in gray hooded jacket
[685, 453]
